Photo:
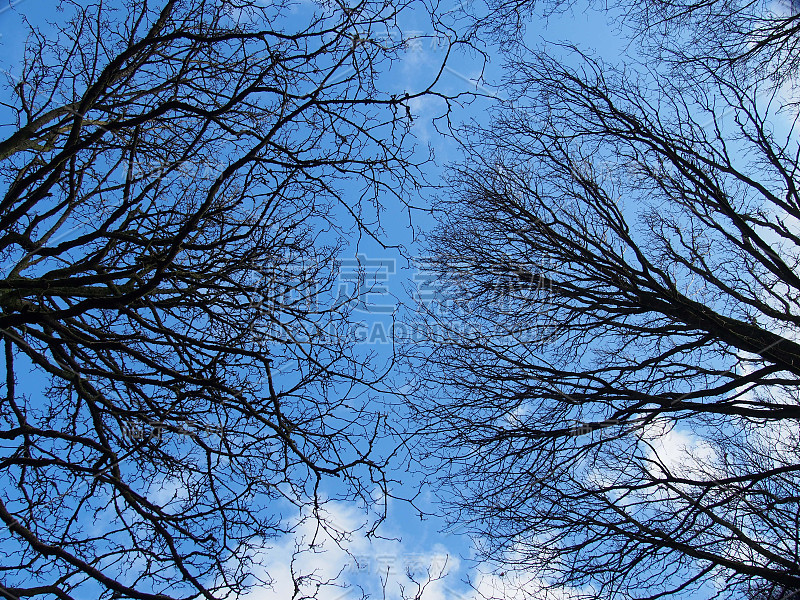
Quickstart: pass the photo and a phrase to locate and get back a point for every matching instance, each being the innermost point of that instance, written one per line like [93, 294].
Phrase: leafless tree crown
[178, 182]
[615, 392]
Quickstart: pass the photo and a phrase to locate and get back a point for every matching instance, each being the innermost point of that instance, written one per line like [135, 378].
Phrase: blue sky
[408, 542]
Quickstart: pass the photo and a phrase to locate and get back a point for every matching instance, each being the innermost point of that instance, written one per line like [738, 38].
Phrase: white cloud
[496, 584]
[332, 564]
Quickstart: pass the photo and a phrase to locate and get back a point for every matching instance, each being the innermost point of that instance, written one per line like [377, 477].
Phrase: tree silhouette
[749, 36]
[178, 369]
[611, 373]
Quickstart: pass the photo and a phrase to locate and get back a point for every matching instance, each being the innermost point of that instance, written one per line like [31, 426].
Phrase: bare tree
[750, 36]
[178, 368]
[611, 370]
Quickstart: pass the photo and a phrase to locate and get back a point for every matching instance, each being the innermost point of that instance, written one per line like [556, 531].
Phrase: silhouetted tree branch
[178, 366]
[611, 372]
[684, 37]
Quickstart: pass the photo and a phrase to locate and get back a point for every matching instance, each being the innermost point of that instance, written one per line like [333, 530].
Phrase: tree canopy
[604, 387]
[611, 375]
[179, 180]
